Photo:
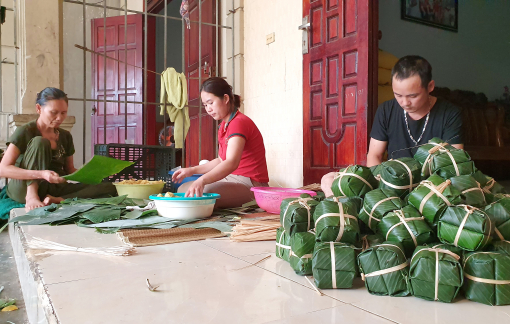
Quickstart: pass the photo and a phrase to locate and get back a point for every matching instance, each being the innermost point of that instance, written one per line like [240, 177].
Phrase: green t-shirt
[65, 147]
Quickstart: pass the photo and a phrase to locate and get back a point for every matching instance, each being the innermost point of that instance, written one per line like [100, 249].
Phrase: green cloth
[336, 221]
[337, 273]
[432, 197]
[466, 227]
[378, 203]
[499, 211]
[435, 274]
[401, 175]
[296, 214]
[471, 192]
[301, 249]
[426, 153]
[174, 92]
[7, 204]
[23, 136]
[98, 168]
[493, 266]
[353, 181]
[389, 258]
[408, 227]
[282, 244]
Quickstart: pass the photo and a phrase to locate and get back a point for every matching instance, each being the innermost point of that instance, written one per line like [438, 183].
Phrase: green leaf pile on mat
[108, 215]
[98, 168]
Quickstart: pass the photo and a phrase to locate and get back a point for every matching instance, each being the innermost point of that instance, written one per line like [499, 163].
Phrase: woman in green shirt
[39, 153]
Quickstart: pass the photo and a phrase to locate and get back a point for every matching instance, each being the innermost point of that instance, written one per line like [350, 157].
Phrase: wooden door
[336, 85]
[197, 149]
[116, 112]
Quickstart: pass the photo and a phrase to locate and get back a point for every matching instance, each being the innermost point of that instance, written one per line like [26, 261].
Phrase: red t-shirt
[253, 160]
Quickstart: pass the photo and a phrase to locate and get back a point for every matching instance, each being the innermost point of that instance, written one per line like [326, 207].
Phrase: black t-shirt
[445, 122]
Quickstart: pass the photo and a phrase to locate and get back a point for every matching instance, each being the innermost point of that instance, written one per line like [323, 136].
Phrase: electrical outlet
[269, 38]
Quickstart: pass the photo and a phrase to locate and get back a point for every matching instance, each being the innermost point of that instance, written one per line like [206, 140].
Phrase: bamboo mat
[148, 237]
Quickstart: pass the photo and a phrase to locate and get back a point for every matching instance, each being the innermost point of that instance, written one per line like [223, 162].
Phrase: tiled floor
[212, 282]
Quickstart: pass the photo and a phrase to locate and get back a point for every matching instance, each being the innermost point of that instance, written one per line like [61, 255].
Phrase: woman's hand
[180, 174]
[196, 189]
[52, 177]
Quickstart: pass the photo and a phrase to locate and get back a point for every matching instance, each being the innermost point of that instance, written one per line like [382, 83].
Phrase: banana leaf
[499, 212]
[401, 175]
[353, 181]
[472, 193]
[337, 273]
[487, 277]
[378, 203]
[488, 184]
[357, 202]
[495, 197]
[425, 153]
[376, 170]
[465, 226]
[432, 196]
[98, 168]
[336, 221]
[384, 268]
[301, 251]
[455, 249]
[435, 274]
[296, 214]
[408, 227]
[282, 244]
[443, 163]
[499, 246]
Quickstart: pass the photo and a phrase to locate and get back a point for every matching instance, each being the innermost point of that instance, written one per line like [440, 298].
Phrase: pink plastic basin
[270, 198]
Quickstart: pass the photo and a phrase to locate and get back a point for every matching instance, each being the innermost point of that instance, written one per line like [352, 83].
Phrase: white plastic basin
[185, 208]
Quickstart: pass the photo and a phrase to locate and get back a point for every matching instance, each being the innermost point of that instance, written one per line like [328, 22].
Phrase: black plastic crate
[151, 162]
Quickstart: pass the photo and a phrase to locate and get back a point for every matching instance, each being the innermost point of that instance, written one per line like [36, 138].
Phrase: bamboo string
[123, 250]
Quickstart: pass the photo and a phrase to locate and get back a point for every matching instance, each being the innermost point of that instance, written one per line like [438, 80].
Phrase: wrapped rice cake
[353, 181]
[425, 153]
[282, 244]
[334, 265]
[408, 227]
[432, 196]
[401, 175]
[385, 270]
[499, 212]
[489, 186]
[296, 214]
[465, 226]
[435, 274]
[453, 163]
[301, 252]
[487, 277]
[336, 221]
[471, 192]
[378, 203]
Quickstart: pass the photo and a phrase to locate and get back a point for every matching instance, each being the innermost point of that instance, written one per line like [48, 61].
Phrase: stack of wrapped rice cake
[431, 227]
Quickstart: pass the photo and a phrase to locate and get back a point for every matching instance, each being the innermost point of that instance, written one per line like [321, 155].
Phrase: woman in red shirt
[242, 157]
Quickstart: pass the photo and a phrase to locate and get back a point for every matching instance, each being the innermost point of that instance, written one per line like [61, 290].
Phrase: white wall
[476, 58]
[273, 84]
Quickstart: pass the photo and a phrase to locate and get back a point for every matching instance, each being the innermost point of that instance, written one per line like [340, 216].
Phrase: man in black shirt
[411, 119]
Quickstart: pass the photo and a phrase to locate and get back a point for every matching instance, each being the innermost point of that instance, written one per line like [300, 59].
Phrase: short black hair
[411, 65]
[50, 93]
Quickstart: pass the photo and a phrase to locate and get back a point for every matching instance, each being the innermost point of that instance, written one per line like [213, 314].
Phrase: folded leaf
[336, 221]
[301, 245]
[334, 265]
[353, 181]
[499, 212]
[401, 175]
[471, 192]
[378, 203]
[296, 214]
[282, 244]
[384, 269]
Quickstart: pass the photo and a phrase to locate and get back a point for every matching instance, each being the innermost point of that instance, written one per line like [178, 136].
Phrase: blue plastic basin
[187, 179]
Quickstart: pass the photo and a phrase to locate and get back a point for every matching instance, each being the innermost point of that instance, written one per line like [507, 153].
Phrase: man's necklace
[422, 131]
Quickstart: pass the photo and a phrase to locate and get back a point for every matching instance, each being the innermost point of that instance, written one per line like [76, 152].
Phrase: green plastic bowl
[139, 191]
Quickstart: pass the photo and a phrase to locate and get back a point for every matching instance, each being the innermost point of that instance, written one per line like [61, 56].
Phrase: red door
[115, 80]
[200, 147]
[336, 85]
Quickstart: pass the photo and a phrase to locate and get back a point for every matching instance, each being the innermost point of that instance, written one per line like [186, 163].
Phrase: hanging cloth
[174, 92]
[184, 12]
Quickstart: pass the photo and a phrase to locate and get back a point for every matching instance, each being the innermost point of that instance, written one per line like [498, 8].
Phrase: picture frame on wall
[437, 13]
